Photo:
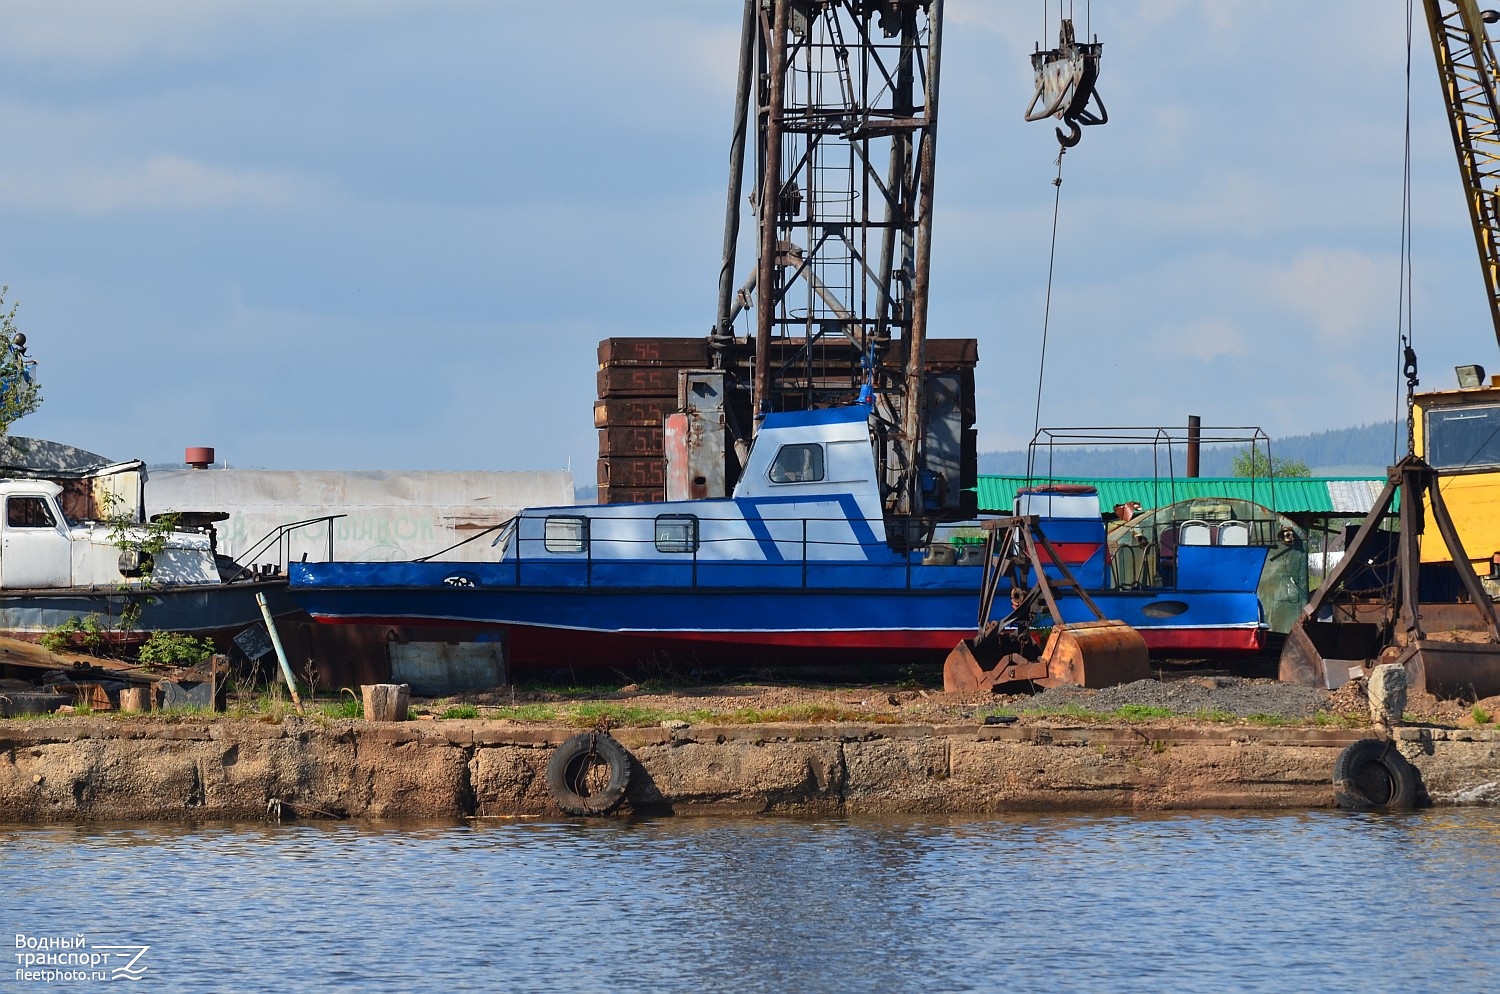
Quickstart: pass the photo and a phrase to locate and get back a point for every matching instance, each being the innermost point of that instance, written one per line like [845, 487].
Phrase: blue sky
[388, 234]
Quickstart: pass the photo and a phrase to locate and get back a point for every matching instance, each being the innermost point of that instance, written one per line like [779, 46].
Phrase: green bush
[173, 649]
[87, 634]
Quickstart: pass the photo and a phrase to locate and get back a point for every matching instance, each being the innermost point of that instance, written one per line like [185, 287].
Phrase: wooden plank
[19, 652]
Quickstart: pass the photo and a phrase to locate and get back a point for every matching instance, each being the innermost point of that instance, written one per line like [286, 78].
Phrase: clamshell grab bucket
[1086, 654]
[1100, 653]
[1326, 649]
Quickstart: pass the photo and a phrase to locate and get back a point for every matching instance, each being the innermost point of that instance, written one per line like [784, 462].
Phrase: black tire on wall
[576, 765]
[1370, 775]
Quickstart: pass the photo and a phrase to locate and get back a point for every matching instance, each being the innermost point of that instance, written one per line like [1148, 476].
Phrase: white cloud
[1206, 339]
[1341, 295]
[160, 182]
[111, 31]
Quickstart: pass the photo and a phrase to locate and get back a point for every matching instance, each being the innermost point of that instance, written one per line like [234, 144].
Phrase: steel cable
[1041, 368]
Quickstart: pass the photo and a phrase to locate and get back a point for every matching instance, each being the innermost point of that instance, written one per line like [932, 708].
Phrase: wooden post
[135, 699]
[385, 701]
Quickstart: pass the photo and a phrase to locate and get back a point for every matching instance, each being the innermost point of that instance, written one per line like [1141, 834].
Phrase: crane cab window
[1463, 437]
[798, 464]
[566, 534]
[28, 512]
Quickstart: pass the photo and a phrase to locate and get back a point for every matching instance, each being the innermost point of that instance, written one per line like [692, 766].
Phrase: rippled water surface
[1194, 902]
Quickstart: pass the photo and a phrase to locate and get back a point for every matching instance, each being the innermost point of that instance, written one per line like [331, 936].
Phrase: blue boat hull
[602, 615]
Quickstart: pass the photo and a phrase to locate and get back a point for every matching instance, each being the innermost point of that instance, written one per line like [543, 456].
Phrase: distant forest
[1362, 451]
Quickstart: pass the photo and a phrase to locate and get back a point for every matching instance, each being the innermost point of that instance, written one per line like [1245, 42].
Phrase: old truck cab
[41, 549]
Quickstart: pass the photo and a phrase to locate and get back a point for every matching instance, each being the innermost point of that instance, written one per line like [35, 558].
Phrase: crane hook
[1065, 85]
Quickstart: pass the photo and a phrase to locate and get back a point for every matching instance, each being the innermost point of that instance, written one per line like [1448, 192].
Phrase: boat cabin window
[1461, 437]
[566, 534]
[676, 533]
[798, 464]
[28, 512]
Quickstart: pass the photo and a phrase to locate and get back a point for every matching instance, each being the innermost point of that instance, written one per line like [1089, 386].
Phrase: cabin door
[35, 552]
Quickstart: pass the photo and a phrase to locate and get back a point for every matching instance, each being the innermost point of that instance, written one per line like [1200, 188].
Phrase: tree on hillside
[1254, 462]
[19, 394]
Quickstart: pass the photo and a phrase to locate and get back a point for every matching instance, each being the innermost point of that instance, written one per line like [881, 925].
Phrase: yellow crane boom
[1467, 70]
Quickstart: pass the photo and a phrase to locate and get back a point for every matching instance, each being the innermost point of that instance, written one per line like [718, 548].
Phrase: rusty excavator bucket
[1100, 653]
[1328, 645]
[1085, 654]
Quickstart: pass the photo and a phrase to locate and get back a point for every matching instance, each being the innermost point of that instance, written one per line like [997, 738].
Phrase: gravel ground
[1185, 695]
[1231, 695]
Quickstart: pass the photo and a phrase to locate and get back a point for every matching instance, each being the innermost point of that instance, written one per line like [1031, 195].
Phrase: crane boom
[1471, 90]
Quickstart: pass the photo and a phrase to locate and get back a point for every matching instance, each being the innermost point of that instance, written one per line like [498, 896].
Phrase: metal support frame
[1417, 483]
[1315, 647]
[845, 110]
[1014, 549]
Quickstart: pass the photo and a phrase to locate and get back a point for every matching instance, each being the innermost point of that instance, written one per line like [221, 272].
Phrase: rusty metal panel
[637, 381]
[646, 411]
[1462, 670]
[436, 669]
[941, 353]
[696, 446]
[677, 454]
[97, 498]
[117, 493]
[653, 352]
[702, 391]
[630, 440]
[632, 472]
[207, 694]
[695, 441]
[631, 495]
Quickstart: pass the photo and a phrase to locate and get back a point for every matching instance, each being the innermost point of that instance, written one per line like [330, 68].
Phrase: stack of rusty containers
[638, 388]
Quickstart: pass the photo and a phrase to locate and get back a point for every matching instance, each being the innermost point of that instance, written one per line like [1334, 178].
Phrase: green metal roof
[1328, 495]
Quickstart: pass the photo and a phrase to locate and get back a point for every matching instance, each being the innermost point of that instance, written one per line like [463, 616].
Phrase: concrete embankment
[95, 768]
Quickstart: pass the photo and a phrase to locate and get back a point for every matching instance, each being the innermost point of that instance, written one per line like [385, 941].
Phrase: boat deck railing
[280, 539]
[776, 552]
